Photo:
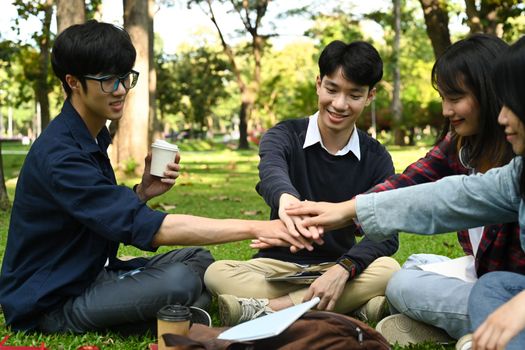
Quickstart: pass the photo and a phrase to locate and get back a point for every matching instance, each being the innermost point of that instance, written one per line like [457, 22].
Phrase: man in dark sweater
[321, 158]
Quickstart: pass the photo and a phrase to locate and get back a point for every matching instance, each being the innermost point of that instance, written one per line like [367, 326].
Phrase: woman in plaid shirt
[424, 302]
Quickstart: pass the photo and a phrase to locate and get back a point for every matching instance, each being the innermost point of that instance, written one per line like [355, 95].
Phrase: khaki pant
[247, 279]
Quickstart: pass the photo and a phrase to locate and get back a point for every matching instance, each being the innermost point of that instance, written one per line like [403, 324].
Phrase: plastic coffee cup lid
[165, 145]
[174, 313]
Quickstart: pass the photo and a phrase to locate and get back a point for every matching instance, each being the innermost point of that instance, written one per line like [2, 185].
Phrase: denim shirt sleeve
[453, 203]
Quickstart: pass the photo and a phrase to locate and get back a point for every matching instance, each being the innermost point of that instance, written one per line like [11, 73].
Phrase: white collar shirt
[313, 136]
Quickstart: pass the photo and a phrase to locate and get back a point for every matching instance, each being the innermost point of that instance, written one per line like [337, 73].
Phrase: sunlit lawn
[219, 184]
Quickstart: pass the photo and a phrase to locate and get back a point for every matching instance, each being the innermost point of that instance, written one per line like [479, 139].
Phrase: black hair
[92, 48]
[360, 62]
[509, 80]
[467, 66]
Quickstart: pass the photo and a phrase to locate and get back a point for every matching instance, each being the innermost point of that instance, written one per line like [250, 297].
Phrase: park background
[214, 75]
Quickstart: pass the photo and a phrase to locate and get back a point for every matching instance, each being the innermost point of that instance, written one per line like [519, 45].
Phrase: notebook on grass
[269, 325]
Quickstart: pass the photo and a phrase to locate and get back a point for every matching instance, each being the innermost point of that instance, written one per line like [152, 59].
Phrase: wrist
[287, 198]
[138, 191]
[348, 265]
[351, 209]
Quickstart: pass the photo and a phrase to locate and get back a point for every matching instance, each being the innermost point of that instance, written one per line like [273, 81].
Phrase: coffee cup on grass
[172, 319]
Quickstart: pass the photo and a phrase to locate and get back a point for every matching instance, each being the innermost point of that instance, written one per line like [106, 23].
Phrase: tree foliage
[43, 10]
[192, 83]
[288, 84]
[251, 14]
[244, 79]
[498, 17]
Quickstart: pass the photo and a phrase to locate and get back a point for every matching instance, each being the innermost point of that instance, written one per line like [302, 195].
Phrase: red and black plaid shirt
[500, 247]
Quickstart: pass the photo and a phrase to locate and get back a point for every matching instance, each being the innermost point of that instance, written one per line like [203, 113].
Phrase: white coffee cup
[162, 153]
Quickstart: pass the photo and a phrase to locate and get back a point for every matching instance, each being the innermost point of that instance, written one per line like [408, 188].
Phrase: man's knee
[216, 275]
[182, 284]
[203, 255]
[400, 288]
[386, 266]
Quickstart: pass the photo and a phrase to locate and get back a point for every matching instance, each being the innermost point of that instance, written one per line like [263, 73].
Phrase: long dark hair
[467, 66]
[509, 81]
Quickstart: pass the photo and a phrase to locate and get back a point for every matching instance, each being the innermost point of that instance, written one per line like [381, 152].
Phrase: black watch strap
[348, 265]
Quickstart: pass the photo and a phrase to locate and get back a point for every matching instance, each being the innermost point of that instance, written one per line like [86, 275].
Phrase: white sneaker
[403, 330]
[233, 310]
[465, 342]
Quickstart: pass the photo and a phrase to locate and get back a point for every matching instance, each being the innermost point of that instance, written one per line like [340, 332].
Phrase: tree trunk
[489, 18]
[251, 15]
[153, 120]
[70, 12]
[436, 20]
[42, 87]
[131, 139]
[243, 125]
[473, 20]
[396, 98]
[4, 199]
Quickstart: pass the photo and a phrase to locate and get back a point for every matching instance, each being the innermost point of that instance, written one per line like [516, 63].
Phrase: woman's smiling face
[462, 111]
[514, 130]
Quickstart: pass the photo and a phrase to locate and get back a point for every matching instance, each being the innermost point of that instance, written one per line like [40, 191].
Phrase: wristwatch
[348, 266]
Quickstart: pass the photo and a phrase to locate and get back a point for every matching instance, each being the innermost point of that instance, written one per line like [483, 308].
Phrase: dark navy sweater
[316, 175]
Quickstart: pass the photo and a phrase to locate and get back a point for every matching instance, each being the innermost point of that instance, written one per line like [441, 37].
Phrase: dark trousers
[128, 302]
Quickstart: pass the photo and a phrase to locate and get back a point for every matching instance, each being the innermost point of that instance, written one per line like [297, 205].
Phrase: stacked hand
[275, 234]
[294, 224]
[323, 215]
[307, 220]
[152, 186]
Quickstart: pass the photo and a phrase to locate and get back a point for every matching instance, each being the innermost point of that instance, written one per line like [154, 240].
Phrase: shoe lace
[252, 308]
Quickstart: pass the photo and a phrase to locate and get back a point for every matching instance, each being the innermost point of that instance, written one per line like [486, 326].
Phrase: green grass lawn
[219, 184]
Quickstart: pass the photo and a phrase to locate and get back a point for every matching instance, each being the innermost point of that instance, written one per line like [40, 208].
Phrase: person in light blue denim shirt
[497, 302]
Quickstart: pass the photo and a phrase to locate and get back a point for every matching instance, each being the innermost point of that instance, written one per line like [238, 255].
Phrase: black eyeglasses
[110, 83]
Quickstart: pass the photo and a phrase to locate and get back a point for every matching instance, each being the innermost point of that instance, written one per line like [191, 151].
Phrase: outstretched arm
[177, 229]
[455, 202]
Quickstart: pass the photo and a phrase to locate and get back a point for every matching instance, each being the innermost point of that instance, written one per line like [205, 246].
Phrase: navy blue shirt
[316, 175]
[68, 219]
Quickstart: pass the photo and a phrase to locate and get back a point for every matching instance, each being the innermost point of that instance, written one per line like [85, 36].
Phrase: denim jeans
[490, 292]
[128, 301]
[430, 297]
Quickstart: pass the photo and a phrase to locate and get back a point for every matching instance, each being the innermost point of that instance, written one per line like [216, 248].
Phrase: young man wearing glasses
[60, 271]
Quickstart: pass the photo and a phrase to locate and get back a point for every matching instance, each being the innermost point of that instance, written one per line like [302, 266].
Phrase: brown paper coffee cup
[172, 319]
